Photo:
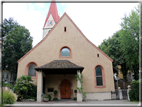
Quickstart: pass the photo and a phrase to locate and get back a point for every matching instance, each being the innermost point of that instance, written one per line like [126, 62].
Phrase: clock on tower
[50, 22]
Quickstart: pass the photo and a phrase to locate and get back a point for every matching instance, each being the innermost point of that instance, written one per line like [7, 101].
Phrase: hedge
[134, 92]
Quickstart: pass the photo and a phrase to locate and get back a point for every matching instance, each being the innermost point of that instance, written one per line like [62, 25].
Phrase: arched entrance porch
[58, 67]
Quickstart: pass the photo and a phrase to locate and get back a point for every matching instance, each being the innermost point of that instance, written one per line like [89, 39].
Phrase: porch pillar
[39, 87]
[79, 95]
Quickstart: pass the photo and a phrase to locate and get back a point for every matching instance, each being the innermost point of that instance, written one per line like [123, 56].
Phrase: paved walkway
[75, 103]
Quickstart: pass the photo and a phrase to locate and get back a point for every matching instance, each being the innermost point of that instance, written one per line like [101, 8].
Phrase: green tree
[113, 49]
[129, 38]
[104, 46]
[17, 43]
[7, 26]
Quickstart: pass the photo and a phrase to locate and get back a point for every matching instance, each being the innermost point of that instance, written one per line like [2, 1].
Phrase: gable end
[53, 29]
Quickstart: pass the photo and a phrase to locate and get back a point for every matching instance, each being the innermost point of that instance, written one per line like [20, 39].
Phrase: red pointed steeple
[52, 10]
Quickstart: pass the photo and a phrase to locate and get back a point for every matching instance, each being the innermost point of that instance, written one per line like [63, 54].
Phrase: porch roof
[59, 65]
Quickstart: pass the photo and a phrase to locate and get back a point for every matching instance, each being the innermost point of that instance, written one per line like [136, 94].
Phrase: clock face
[50, 23]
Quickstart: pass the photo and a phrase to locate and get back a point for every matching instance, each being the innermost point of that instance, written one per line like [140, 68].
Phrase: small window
[50, 90]
[97, 55]
[32, 71]
[99, 78]
[65, 52]
[64, 29]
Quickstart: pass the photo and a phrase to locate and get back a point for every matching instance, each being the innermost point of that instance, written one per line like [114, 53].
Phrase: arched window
[65, 52]
[31, 70]
[99, 77]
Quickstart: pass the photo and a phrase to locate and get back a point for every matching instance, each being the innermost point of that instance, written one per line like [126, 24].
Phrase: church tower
[51, 19]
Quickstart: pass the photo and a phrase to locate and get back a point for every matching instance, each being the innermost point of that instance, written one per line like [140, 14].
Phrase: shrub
[49, 96]
[46, 96]
[33, 92]
[33, 98]
[132, 95]
[15, 96]
[28, 97]
[75, 91]
[75, 98]
[134, 92]
[20, 96]
[13, 89]
[25, 88]
[9, 97]
[7, 85]
[55, 99]
[55, 92]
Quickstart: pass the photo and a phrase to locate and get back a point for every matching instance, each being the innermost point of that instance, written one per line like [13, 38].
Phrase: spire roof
[52, 10]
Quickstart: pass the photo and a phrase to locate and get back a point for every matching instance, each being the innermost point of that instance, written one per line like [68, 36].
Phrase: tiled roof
[52, 10]
[59, 64]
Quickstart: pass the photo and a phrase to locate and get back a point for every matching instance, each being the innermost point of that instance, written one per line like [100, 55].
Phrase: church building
[63, 53]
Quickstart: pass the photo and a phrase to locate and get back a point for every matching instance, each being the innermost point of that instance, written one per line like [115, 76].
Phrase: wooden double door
[65, 89]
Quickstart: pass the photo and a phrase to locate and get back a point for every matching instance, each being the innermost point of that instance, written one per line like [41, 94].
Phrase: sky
[97, 21]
